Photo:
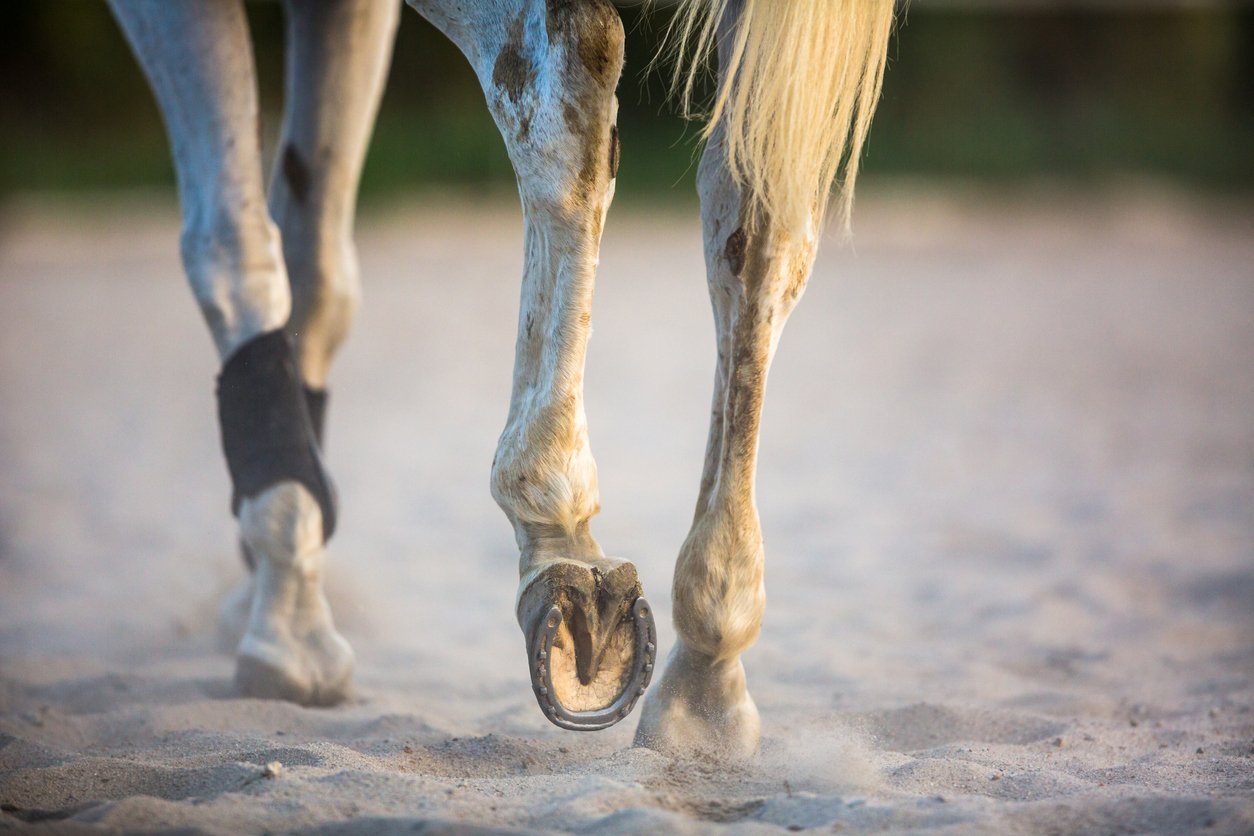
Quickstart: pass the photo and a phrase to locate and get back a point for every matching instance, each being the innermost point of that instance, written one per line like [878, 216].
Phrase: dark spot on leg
[557, 14]
[597, 32]
[601, 45]
[614, 151]
[512, 71]
[296, 173]
[734, 251]
[574, 120]
[588, 183]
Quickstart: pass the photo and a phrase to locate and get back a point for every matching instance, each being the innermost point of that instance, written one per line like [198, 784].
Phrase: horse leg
[198, 60]
[338, 52]
[549, 70]
[756, 274]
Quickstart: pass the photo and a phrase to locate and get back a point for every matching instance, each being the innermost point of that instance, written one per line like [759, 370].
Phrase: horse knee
[551, 92]
[580, 43]
[593, 31]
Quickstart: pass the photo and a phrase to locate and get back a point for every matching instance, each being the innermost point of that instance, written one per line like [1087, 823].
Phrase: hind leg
[548, 71]
[756, 275]
[338, 52]
[198, 59]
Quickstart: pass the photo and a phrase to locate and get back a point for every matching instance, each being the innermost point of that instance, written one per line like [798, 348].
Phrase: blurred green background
[981, 91]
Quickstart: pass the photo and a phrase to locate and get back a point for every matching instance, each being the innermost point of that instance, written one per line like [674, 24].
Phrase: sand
[1007, 488]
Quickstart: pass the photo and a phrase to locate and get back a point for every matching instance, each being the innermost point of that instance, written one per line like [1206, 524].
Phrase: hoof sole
[540, 650]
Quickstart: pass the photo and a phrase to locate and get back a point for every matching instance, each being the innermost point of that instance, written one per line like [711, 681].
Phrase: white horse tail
[799, 81]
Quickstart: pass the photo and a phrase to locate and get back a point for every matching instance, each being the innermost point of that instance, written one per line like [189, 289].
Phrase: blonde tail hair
[799, 86]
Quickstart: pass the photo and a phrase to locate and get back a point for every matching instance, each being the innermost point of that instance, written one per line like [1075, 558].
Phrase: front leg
[338, 53]
[756, 274]
[198, 59]
[549, 71]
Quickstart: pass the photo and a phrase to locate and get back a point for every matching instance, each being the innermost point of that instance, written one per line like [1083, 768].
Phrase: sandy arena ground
[1007, 488]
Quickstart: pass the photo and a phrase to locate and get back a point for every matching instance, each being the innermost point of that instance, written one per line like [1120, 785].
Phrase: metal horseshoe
[602, 718]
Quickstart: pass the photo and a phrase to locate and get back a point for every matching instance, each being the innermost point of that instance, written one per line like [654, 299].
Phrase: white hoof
[314, 670]
[290, 649]
[700, 708]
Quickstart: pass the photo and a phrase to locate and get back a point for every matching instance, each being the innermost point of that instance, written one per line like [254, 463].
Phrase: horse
[275, 273]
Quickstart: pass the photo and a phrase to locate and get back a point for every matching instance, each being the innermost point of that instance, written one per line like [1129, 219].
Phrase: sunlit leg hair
[549, 71]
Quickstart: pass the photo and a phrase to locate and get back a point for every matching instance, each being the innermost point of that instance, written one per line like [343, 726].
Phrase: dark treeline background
[983, 92]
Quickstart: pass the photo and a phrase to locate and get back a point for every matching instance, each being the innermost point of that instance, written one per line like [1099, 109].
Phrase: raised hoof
[317, 672]
[591, 643]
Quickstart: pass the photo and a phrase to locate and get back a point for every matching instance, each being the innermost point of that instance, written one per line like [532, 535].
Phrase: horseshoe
[540, 650]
